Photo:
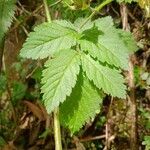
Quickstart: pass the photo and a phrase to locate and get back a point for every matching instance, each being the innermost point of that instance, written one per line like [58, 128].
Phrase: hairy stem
[133, 107]
[57, 132]
[98, 8]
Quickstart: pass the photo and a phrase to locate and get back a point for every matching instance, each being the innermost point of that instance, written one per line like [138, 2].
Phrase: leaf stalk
[96, 9]
[57, 132]
[47, 11]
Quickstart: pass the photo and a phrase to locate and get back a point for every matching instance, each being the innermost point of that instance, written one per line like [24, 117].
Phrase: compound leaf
[48, 39]
[105, 78]
[81, 106]
[59, 78]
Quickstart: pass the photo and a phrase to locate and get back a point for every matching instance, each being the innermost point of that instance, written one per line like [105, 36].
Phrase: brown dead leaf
[35, 110]
[43, 109]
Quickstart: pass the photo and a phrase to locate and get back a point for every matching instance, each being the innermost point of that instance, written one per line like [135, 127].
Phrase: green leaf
[104, 24]
[78, 22]
[2, 142]
[105, 47]
[146, 142]
[82, 105]
[109, 44]
[105, 78]
[103, 54]
[65, 23]
[48, 39]
[7, 10]
[59, 78]
[128, 40]
[113, 50]
[125, 39]
[18, 91]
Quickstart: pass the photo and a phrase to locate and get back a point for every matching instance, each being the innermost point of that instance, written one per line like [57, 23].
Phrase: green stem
[55, 3]
[47, 11]
[98, 8]
[57, 132]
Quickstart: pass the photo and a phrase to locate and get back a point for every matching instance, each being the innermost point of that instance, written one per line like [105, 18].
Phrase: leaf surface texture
[48, 39]
[83, 104]
[59, 78]
[7, 10]
[105, 78]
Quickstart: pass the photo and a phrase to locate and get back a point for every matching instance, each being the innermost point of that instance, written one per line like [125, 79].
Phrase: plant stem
[2, 41]
[96, 9]
[47, 11]
[57, 132]
[132, 98]
[55, 3]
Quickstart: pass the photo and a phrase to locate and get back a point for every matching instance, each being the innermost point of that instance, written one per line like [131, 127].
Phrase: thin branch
[97, 9]
[57, 2]
[28, 17]
[133, 107]
[92, 138]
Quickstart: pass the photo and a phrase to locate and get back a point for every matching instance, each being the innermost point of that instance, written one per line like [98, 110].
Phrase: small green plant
[84, 62]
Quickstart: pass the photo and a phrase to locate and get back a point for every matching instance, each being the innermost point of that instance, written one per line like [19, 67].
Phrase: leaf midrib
[48, 41]
[98, 69]
[67, 66]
